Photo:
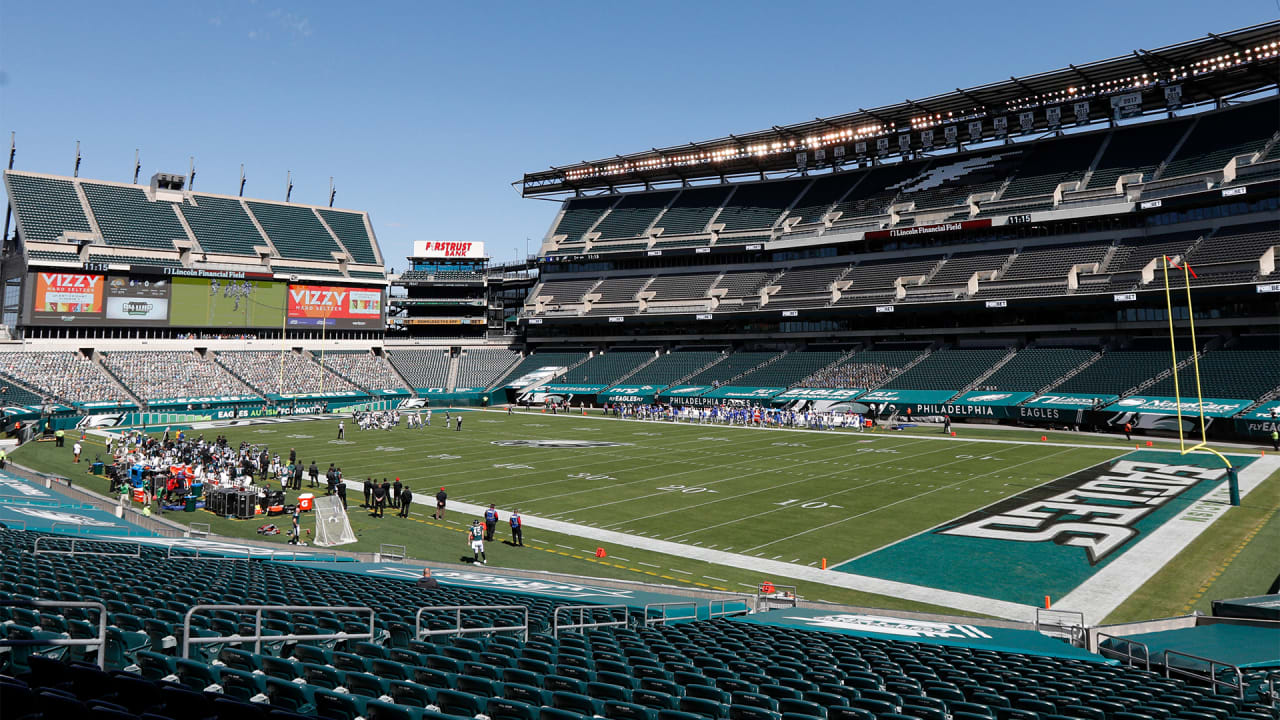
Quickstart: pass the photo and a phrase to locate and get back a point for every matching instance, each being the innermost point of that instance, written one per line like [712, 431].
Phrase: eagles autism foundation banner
[1050, 539]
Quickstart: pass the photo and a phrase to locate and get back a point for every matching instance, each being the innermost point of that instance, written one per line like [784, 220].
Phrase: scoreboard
[202, 299]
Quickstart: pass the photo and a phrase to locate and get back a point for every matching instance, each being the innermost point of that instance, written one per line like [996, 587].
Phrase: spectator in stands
[163, 375]
[64, 376]
[426, 582]
[290, 373]
[371, 372]
[851, 375]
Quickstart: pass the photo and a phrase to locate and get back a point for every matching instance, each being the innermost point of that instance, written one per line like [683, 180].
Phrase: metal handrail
[724, 610]
[1070, 622]
[198, 528]
[8, 524]
[77, 528]
[395, 552]
[1211, 677]
[36, 549]
[248, 552]
[418, 632]
[663, 607]
[293, 555]
[1127, 653]
[582, 623]
[257, 637]
[100, 641]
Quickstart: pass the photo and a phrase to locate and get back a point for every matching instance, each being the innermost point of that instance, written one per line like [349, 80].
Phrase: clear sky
[425, 113]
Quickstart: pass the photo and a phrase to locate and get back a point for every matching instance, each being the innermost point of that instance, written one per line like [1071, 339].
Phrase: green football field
[792, 497]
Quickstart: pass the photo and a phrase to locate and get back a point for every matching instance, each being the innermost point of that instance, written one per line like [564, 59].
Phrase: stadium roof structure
[1214, 68]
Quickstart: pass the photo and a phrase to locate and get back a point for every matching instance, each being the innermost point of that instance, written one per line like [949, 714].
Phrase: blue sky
[424, 113]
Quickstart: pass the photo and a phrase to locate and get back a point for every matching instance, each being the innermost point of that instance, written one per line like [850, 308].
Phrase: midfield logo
[570, 444]
[1096, 509]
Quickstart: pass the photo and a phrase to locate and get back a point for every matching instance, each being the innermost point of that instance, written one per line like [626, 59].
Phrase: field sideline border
[971, 603]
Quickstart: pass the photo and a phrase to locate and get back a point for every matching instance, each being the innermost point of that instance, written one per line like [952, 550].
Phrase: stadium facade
[1009, 240]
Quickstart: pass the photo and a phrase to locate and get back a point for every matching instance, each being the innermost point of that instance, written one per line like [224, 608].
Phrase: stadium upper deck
[968, 211]
[70, 222]
[1209, 69]
[1118, 170]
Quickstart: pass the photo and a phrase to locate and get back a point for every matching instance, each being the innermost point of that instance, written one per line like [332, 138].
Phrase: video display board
[140, 301]
[67, 296]
[335, 306]
[87, 298]
[227, 302]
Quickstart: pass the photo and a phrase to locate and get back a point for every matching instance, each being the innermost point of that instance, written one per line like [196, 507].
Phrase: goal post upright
[1203, 445]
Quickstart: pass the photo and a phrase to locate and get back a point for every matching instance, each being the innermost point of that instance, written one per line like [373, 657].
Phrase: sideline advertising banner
[1213, 407]
[819, 394]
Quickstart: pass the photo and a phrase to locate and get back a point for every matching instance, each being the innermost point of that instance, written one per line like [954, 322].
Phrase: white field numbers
[809, 505]
[686, 489]
[591, 476]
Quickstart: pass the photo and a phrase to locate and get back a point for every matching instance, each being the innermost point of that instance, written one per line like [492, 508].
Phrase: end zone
[1087, 540]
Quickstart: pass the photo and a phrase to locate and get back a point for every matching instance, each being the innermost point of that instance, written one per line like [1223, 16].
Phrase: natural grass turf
[1234, 557]
[743, 491]
[434, 541]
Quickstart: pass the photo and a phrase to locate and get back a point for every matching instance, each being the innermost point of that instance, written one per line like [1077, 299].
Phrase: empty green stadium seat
[295, 231]
[128, 219]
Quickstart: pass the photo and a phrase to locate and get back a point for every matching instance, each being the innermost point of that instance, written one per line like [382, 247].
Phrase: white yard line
[895, 502]
[906, 591]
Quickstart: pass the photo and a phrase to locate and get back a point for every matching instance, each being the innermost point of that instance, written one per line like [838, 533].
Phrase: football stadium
[961, 407]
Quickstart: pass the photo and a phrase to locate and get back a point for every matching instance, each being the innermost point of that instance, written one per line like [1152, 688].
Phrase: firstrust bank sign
[428, 249]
